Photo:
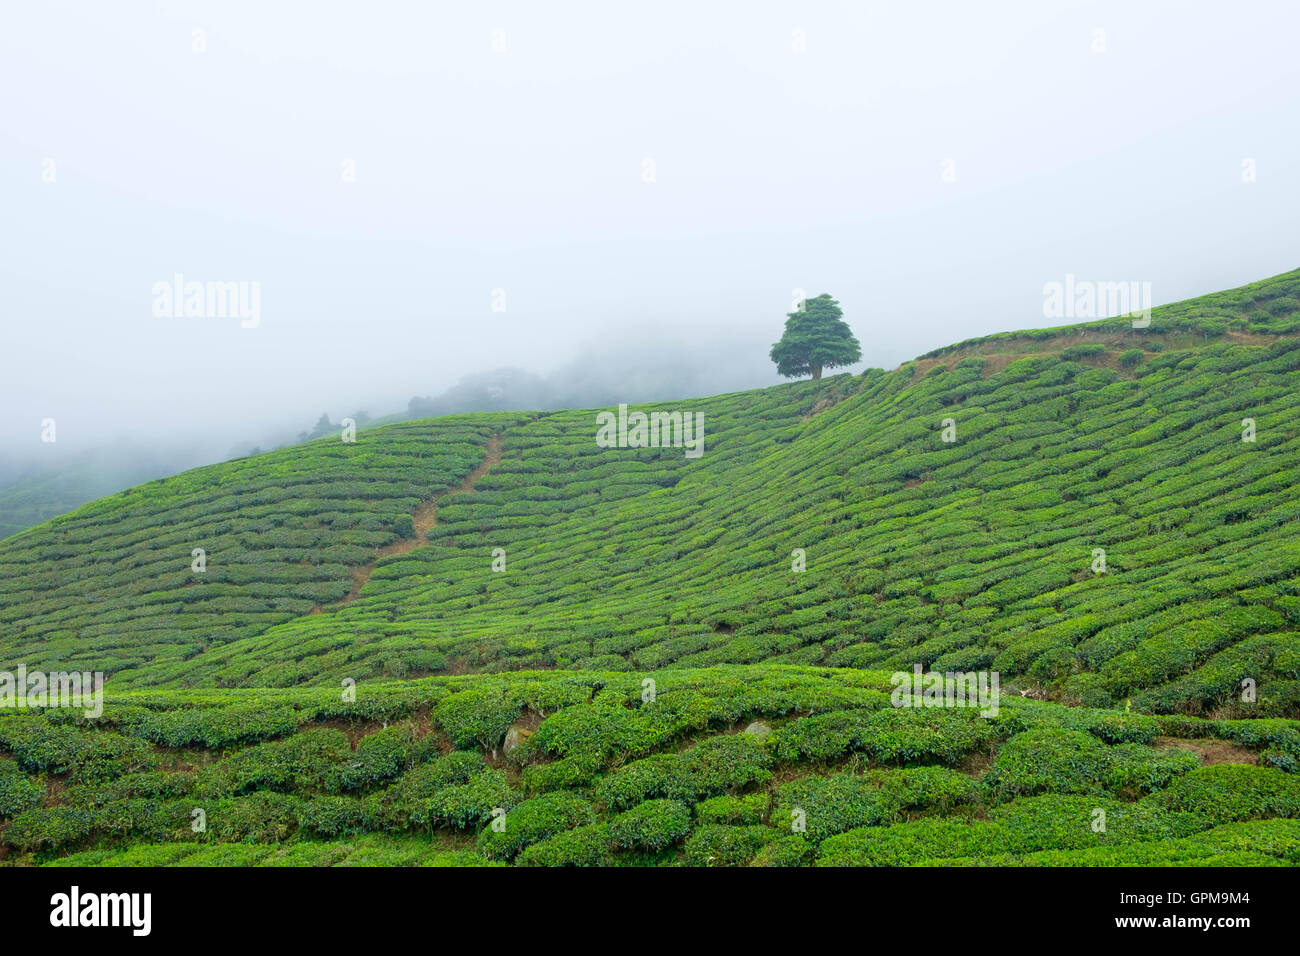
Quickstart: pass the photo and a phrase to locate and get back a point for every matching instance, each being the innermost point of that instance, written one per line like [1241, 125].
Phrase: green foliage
[1138, 768]
[1048, 760]
[715, 765]
[815, 338]
[260, 817]
[477, 717]
[467, 804]
[890, 735]
[1225, 793]
[281, 533]
[332, 816]
[1075, 353]
[1112, 726]
[748, 810]
[532, 821]
[703, 793]
[18, 792]
[305, 761]
[85, 756]
[792, 850]
[717, 845]
[1026, 825]
[1130, 358]
[652, 825]
[650, 613]
[216, 727]
[1257, 843]
[830, 805]
[582, 846]
[381, 756]
[47, 827]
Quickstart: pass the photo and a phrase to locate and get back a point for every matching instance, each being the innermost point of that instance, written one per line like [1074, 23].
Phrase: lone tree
[814, 339]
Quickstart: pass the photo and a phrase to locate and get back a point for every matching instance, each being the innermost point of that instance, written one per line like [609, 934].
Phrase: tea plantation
[485, 639]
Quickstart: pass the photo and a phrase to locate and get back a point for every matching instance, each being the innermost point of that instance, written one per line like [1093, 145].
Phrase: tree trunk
[817, 372]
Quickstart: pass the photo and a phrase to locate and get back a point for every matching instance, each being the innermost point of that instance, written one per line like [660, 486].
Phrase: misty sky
[523, 169]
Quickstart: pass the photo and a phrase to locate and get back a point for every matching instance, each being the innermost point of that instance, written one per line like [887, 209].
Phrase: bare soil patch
[1211, 750]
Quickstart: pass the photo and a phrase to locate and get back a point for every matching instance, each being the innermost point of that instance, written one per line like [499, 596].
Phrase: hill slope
[374, 561]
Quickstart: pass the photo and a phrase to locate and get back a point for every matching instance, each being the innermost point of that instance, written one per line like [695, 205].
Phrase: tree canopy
[816, 338]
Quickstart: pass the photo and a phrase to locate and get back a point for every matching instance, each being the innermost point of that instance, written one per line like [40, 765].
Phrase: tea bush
[652, 825]
[532, 821]
[715, 765]
[582, 846]
[716, 845]
[706, 792]
[17, 791]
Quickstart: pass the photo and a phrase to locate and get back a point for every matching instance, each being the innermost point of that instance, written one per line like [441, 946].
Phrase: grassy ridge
[963, 555]
[970, 554]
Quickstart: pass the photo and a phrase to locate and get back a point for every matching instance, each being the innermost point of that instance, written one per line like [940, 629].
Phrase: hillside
[522, 689]
[32, 493]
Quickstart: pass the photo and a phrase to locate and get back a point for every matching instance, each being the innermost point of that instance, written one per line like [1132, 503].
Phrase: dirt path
[424, 518]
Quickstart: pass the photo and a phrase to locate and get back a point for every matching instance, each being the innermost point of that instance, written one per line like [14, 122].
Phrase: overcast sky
[504, 146]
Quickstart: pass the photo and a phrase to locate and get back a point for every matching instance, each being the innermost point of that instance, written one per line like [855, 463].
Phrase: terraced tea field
[488, 639]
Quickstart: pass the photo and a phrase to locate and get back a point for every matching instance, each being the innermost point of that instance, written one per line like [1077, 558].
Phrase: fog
[423, 192]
